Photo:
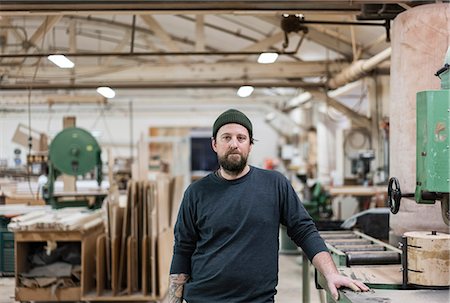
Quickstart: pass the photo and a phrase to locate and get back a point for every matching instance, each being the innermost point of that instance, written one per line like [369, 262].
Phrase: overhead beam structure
[188, 72]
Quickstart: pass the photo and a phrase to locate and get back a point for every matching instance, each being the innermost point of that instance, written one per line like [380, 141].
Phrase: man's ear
[213, 144]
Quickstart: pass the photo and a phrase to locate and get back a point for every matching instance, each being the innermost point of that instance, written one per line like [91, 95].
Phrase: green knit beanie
[232, 116]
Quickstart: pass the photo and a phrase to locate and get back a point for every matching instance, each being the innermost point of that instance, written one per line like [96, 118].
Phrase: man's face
[232, 145]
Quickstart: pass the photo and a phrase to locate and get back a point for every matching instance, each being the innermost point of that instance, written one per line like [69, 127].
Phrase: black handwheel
[394, 195]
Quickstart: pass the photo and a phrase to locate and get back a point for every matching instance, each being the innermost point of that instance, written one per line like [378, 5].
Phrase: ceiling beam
[160, 33]
[43, 29]
[73, 36]
[265, 43]
[119, 47]
[184, 72]
[356, 118]
[154, 85]
[6, 25]
[200, 33]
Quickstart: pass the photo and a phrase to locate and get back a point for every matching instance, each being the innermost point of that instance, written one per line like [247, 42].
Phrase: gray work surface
[396, 296]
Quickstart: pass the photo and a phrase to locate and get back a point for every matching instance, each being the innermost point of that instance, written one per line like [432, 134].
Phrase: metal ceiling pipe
[358, 69]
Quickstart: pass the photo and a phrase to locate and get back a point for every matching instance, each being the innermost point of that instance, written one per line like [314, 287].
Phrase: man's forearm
[324, 263]
[176, 286]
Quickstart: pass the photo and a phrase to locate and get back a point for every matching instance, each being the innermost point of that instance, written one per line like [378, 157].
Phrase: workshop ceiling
[184, 51]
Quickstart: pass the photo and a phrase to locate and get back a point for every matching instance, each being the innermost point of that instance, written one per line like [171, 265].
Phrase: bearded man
[227, 230]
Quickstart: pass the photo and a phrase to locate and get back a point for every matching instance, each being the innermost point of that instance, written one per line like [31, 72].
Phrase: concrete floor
[289, 286]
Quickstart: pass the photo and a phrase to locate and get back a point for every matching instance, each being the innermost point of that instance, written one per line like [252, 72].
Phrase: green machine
[74, 152]
[432, 148]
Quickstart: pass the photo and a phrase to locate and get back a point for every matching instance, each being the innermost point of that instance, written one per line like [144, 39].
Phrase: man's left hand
[336, 281]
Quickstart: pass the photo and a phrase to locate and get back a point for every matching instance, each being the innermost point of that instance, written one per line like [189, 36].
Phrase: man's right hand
[176, 286]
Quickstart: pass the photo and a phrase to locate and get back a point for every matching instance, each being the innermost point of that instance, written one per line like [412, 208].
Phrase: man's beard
[231, 166]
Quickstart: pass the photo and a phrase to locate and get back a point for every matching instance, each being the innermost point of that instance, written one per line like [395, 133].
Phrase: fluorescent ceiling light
[245, 91]
[61, 61]
[106, 92]
[266, 58]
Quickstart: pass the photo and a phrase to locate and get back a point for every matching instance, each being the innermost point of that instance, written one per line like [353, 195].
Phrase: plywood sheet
[100, 265]
[165, 243]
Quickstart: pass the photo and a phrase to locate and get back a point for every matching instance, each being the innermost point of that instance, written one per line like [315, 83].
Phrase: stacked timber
[126, 247]
[134, 254]
[66, 219]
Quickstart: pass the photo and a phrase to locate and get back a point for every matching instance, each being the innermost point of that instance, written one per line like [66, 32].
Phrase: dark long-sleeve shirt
[227, 232]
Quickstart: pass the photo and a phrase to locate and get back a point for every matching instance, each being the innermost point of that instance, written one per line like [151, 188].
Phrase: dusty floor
[289, 286]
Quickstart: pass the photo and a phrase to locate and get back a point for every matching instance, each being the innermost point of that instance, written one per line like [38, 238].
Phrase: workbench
[86, 240]
[395, 296]
[385, 282]
[384, 279]
[359, 191]
[364, 194]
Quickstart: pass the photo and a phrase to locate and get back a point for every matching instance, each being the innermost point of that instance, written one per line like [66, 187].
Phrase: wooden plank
[115, 258]
[88, 251]
[145, 265]
[134, 265]
[176, 197]
[108, 243]
[153, 235]
[116, 234]
[163, 182]
[39, 236]
[144, 243]
[100, 265]
[165, 241]
[139, 237]
[129, 280]
[45, 294]
[125, 233]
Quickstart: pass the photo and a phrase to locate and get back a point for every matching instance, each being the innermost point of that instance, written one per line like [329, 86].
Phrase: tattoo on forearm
[176, 285]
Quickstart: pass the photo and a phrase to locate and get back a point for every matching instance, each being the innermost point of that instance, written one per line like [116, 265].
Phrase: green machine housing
[432, 148]
[433, 143]
[73, 151]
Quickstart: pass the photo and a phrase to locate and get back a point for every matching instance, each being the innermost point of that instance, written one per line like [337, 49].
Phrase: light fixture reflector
[61, 61]
[106, 92]
[245, 91]
[267, 58]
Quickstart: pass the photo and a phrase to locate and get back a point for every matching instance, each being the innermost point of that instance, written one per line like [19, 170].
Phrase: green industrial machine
[319, 207]
[432, 148]
[74, 152]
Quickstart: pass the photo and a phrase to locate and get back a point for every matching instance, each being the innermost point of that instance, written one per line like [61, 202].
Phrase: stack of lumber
[12, 210]
[133, 256]
[66, 219]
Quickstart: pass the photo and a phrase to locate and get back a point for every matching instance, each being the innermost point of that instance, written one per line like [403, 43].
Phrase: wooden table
[396, 296]
[364, 194]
